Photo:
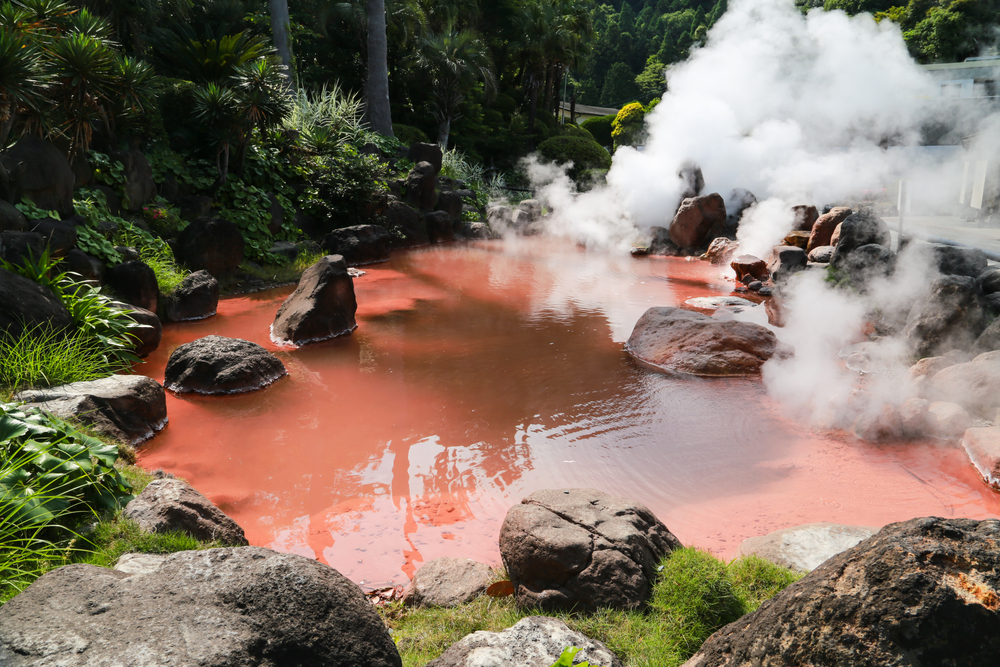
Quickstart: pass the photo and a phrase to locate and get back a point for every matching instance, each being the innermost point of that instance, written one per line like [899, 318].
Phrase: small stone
[755, 286]
[765, 291]
[448, 582]
[805, 547]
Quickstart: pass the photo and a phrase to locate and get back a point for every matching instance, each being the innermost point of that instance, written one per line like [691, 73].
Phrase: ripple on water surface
[482, 372]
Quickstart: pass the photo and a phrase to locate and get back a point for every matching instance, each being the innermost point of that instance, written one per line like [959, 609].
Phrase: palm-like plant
[22, 79]
[455, 62]
[207, 58]
[218, 108]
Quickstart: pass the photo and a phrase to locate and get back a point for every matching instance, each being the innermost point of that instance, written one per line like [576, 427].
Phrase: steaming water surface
[482, 372]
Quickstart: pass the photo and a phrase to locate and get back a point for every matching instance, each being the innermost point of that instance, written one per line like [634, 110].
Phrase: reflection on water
[482, 372]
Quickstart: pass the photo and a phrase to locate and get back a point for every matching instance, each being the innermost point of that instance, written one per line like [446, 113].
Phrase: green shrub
[628, 127]
[600, 128]
[341, 187]
[408, 134]
[585, 154]
[574, 130]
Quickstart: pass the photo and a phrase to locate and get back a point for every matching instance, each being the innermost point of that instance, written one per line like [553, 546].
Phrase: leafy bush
[583, 153]
[627, 129]
[600, 128]
[574, 130]
[248, 207]
[408, 134]
[341, 187]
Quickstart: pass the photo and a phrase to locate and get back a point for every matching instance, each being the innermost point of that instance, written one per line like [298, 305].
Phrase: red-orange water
[482, 372]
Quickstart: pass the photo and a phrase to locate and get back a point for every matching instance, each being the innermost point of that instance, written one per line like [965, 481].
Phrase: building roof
[587, 110]
[972, 68]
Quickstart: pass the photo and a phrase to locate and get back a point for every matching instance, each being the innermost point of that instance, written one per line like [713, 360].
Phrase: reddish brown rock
[721, 250]
[835, 237]
[881, 425]
[677, 340]
[805, 217]
[694, 218]
[797, 238]
[748, 265]
[983, 447]
[822, 230]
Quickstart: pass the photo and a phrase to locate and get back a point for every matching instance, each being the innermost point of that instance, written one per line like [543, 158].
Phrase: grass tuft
[44, 357]
[695, 595]
[109, 539]
[169, 276]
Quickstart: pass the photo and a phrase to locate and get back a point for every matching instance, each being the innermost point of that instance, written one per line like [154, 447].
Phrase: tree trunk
[279, 31]
[532, 111]
[444, 129]
[377, 110]
[572, 108]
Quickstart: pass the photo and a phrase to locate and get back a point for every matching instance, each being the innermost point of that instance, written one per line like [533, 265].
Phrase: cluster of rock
[525, 219]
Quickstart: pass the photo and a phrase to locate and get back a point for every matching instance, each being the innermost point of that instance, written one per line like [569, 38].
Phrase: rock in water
[448, 582]
[720, 250]
[535, 641]
[196, 298]
[582, 549]
[749, 265]
[949, 318]
[922, 593]
[982, 444]
[673, 339]
[230, 607]
[805, 547]
[360, 244]
[130, 408]
[218, 365]
[173, 504]
[321, 307]
[694, 218]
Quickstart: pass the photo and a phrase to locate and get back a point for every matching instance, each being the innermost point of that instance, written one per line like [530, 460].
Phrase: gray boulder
[448, 582]
[956, 261]
[535, 641]
[821, 254]
[989, 279]
[321, 307]
[805, 547]
[476, 230]
[426, 152]
[439, 227]
[949, 318]
[405, 226]
[359, 244]
[975, 385]
[11, 219]
[859, 229]
[582, 549]
[196, 298]
[922, 593]
[213, 244]
[786, 260]
[451, 203]
[167, 505]
[149, 334]
[134, 283]
[16, 247]
[46, 177]
[864, 264]
[86, 267]
[218, 365]
[139, 563]
[420, 184]
[130, 408]
[25, 303]
[58, 235]
[229, 607]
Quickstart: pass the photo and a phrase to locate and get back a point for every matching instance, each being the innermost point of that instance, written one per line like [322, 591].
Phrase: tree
[619, 87]
[455, 62]
[282, 44]
[651, 80]
[377, 88]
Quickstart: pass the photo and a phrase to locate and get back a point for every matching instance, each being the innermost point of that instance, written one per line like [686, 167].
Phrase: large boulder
[749, 265]
[859, 229]
[229, 607]
[405, 226]
[321, 307]
[448, 582]
[424, 152]
[989, 279]
[167, 505]
[807, 546]
[139, 186]
[218, 365]
[975, 385]
[786, 260]
[420, 186]
[196, 298]
[806, 216]
[26, 304]
[11, 219]
[535, 641]
[694, 218]
[130, 408]
[17, 247]
[85, 267]
[213, 244]
[678, 340]
[58, 235]
[134, 283]
[451, 203]
[46, 178]
[822, 229]
[864, 264]
[949, 318]
[359, 244]
[957, 261]
[721, 250]
[582, 549]
[439, 227]
[922, 593]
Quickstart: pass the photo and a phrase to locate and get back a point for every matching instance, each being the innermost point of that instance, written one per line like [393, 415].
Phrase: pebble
[740, 288]
[764, 291]
[755, 286]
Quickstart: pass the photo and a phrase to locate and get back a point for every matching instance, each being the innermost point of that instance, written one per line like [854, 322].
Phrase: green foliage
[600, 128]
[574, 130]
[118, 535]
[408, 134]
[583, 153]
[327, 118]
[41, 357]
[651, 80]
[341, 187]
[619, 86]
[628, 129]
[111, 174]
[248, 207]
[693, 596]
[32, 212]
[566, 659]
[92, 242]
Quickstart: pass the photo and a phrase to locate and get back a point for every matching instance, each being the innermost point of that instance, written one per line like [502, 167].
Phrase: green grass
[119, 535]
[277, 273]
[43, 357]
[695, 595]
[168, 274]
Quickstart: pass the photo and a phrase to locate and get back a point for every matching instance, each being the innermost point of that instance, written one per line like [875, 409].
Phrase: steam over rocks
[865, 263]
[952, 260]
[677, 340]
[218, 365]
[694, 218]
[805, 217]
[859, 229]
[720, 250]
[582, 549]
[822, 229]
[321, 307]
[786, 260]
[975, 385]
[922, 593]
[214, 608]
